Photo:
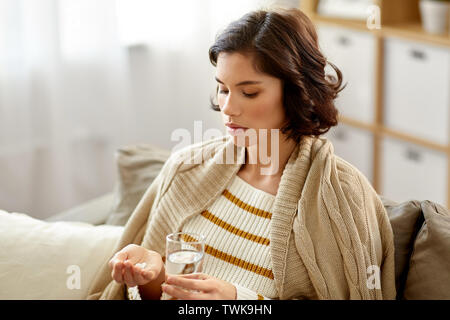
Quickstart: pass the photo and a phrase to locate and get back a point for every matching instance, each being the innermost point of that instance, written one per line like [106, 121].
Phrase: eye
[250, 95]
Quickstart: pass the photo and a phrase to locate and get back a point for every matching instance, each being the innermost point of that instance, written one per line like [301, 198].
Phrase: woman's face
[248, 98]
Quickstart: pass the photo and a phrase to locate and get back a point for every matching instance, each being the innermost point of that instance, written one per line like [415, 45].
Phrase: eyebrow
[240, 83]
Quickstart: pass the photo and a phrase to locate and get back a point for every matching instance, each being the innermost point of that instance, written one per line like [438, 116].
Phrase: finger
[117, 272]
[181, 294]
[145, 271]
[194, 276]
[190, 284]
[120, 256]
[142, 276]
[198, 276]
[149, 274]
[133, 258]
[135, 273]
[129, 275]
[139, 277]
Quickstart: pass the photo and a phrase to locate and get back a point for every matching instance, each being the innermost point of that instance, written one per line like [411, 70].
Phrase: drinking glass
[184, 253]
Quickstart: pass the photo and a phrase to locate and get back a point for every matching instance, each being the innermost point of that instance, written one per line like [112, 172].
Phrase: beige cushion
[429, 267]
[137, 165]
[95, 211]
[37, 257]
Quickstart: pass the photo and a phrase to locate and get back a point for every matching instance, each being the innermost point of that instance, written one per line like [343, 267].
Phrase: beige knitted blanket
[328, 221]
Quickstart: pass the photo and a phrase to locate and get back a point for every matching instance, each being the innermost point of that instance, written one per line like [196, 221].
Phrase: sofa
[59, 257]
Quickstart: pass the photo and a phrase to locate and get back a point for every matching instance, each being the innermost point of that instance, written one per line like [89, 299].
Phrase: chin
[239, 141]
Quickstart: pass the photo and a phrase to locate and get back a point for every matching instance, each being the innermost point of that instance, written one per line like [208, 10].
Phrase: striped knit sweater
[236, 227]
[237, 247]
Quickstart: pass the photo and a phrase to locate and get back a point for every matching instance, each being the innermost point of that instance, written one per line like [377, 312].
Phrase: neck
[263, 162]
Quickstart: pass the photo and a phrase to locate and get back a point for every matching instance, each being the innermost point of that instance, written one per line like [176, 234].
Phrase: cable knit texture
[329, 233]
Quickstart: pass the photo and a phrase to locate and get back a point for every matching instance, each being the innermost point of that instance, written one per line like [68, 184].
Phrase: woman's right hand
[124, 269]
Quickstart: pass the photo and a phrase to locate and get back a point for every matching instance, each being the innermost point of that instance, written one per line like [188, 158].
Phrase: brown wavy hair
[284, 44]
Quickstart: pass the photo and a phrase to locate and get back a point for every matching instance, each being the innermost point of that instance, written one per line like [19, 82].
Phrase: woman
[304, 225]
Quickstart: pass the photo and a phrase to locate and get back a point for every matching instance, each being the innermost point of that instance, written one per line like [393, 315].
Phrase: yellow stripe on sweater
[245, 206]
[228, 227]
[233, 260]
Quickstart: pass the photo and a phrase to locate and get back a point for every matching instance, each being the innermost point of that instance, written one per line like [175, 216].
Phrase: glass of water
[184, 253]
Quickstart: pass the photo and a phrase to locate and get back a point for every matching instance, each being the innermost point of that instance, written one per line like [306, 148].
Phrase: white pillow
[47, 260]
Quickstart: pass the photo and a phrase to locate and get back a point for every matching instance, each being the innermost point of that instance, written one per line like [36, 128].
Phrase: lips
[234, 126]
[234, 129]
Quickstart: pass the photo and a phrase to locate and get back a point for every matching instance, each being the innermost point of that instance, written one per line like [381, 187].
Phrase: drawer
[411, 172]
[417, 87]
[346, 140]
[353, 52]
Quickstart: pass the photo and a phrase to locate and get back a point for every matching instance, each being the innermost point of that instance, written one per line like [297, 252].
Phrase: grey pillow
[137, 165]
[429, 267]
[422, 248]
[406, 219]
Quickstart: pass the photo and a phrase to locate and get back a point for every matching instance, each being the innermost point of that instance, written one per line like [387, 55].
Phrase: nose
[230, 107]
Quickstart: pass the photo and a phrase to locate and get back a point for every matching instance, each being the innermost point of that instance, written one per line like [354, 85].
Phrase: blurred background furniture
[81, 78]
[394, 112]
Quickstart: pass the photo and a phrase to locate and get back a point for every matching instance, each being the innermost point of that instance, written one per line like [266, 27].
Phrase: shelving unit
[399, 19]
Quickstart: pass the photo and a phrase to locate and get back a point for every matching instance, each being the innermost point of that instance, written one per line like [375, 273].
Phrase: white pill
[141, 265]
